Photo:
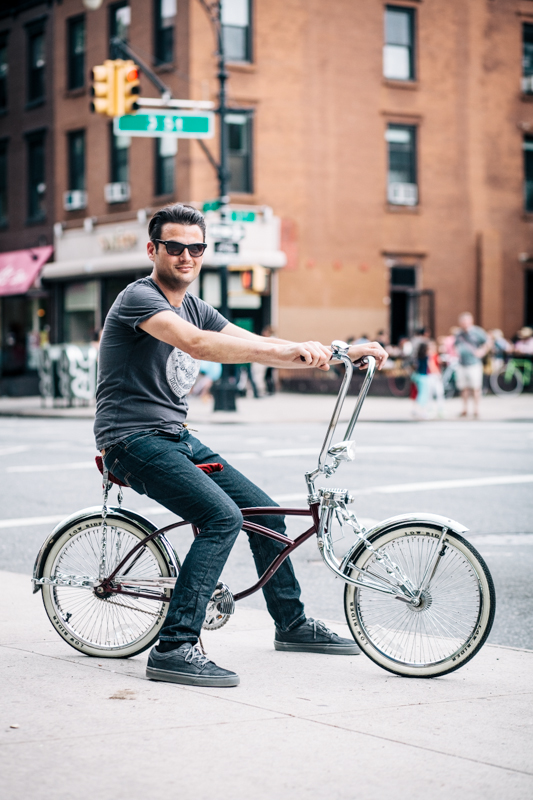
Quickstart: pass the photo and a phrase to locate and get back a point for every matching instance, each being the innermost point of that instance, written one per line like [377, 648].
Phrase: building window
[528, 173]
[240, 152]
[402, 188]
[36, 177]
[76, 160]
[3, 183]
[120, 158]
[4, 70]
[166, 148]
[237, 30]
[36, 64]
[81, 311]
[76, 52]
[398, 51]
[527, 58]
[165, 20]
[119, 23]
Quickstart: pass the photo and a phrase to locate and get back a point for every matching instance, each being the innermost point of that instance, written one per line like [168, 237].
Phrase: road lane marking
[498, 539]
[8, 451]
[426, 486]
[459, 483]
[52, 467]
[29, 522]
[465, 483]
[244, 456]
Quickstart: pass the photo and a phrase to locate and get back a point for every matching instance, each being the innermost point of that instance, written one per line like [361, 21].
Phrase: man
[471, 344]
[154, 336]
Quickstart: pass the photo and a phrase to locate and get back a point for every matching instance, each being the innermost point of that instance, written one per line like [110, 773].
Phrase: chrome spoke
[450, 604]
[105, 622]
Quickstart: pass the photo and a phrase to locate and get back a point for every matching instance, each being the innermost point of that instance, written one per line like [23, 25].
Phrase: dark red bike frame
[250, 527]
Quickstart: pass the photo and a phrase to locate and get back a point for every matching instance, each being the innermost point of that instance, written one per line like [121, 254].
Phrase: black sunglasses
[177, 248]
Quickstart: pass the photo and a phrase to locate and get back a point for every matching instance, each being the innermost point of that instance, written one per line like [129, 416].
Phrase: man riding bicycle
[155, 334]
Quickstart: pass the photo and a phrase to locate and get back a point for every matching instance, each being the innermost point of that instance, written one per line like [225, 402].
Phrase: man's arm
[241, 333]
[230, 349]
[355, 352]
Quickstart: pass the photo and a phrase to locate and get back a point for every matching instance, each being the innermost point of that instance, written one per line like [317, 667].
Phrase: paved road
[465, 470]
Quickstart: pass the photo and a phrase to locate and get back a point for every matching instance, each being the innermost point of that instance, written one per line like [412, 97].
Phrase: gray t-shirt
[143, 382]
[466, 344]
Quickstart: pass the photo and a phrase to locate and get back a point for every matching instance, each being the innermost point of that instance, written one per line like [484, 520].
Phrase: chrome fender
[114, 514]
[396, 522]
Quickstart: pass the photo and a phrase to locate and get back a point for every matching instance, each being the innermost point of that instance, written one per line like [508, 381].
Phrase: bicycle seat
[207, 468]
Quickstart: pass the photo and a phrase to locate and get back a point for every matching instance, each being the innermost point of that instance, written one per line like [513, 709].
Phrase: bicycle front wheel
[455, 614]
[505, 381]
[111, 626]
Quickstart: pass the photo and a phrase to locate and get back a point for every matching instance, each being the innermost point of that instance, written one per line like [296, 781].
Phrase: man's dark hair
[177, 213]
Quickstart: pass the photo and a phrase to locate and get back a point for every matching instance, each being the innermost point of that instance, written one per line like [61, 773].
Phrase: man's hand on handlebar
[358, 351]
[313, 354]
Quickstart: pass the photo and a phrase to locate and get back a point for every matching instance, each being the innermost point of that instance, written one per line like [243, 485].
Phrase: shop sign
[118, 242]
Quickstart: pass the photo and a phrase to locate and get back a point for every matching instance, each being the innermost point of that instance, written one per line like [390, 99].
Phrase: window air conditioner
[403, 194]
[117, 192]
[74, 200]
[527, 84]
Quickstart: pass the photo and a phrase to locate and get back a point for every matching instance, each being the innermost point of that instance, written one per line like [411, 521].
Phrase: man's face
[176, 272]
[466, 321]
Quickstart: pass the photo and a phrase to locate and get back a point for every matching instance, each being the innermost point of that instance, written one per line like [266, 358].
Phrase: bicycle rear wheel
[456, 610]
[114, 626]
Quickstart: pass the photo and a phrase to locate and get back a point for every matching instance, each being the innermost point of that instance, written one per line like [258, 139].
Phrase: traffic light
[128, 87]
[253, 278]
[103, 89]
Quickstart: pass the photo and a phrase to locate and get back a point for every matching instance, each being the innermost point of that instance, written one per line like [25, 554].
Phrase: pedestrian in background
[420, 378]
[263, 378]
[435, 384]
[471, 344]
[523, 345]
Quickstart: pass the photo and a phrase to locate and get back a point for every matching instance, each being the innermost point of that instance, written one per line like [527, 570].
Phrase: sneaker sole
[190, 680]
[327, 649]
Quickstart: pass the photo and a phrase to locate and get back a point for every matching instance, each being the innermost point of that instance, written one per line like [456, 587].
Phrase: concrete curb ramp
[299, 725]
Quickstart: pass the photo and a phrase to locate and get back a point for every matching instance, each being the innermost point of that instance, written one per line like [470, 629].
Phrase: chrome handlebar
[341, 451]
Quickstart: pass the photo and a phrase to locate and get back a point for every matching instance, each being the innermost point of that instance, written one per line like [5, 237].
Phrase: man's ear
[150, 249]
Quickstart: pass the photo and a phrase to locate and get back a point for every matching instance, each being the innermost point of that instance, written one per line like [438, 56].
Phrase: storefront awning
[100, 265]
[19, 269]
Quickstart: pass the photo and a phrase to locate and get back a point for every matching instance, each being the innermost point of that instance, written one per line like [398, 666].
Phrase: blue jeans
[162, 466]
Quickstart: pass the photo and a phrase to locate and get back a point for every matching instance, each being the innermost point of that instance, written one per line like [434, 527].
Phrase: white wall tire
[452, 625]
[113, 627]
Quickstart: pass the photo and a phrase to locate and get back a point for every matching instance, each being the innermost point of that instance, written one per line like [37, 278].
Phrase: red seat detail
[110, 476]
[207, 468]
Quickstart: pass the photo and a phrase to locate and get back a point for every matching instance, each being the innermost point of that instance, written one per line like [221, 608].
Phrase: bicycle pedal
[219, 609]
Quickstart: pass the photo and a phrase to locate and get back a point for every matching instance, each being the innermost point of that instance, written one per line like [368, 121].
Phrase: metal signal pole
[224, 390]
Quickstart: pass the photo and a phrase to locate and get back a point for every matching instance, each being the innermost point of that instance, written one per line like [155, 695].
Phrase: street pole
[223, 172]
[224, 390]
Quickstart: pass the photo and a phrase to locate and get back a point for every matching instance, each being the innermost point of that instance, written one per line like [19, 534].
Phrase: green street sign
[236, 216]
[212, 205]
[182, 125]
[243, 216]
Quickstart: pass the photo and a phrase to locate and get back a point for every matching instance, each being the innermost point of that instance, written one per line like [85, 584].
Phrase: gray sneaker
[188, 665]
[314, 637]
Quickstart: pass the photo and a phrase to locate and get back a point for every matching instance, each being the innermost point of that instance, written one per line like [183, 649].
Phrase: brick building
[394, 141]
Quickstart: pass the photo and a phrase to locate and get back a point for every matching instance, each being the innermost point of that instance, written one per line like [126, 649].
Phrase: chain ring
[219, 609]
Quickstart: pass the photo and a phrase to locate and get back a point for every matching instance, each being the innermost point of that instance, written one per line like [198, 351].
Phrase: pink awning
[19, 269]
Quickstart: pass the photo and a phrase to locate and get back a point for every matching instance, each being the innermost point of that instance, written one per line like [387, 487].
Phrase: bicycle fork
[397, 585]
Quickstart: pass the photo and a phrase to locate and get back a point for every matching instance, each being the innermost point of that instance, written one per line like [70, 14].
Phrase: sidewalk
[299, 726]
[292, 407]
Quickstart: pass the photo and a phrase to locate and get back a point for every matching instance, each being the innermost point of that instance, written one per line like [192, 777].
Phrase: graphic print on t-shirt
[182, 371]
